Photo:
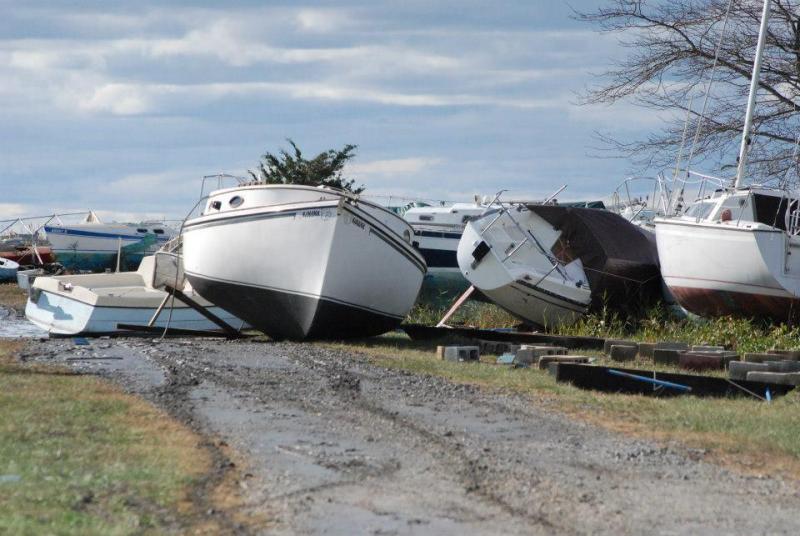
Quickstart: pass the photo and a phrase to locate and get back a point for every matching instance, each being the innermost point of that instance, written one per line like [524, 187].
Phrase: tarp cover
[619, 258]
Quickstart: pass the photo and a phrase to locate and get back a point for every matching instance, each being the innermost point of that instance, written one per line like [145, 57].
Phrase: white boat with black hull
[302, 262]
[94, 304]
[551, 264]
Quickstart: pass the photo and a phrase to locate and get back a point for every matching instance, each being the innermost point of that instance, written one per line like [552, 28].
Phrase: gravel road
[335, 445]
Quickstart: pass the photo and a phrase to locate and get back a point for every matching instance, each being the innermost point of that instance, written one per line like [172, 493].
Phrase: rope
[708, 88]
[748, 391]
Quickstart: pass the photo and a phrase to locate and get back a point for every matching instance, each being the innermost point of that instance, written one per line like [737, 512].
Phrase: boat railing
[521, 238]
[625, 196]
[222, 180]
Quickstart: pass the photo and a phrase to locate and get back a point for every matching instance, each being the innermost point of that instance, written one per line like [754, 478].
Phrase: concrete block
[621, 352]
[666, 356]
[546, 360]
[783, 378]
[646, 349]
[700, 361]
[783, 366]
[737, 370]
[794, 355]
[461, 353]
[668, 345]
[608, 343]
[440, 352]
[528, 355]
[497, 347]
[707, 348]
[757, 357]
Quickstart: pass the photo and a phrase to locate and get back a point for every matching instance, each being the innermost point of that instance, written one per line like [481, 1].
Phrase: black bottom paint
[283, 315]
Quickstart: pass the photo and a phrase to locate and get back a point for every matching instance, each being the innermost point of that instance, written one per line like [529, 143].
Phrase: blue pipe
[662, 383]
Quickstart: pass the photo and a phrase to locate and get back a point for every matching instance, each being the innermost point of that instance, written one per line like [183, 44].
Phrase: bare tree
[672, 46]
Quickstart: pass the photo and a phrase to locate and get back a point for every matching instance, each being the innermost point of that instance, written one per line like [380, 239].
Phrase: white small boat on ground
[8, 270]
[93, 245]
[93, 304]
[551, 264]
[302, 262]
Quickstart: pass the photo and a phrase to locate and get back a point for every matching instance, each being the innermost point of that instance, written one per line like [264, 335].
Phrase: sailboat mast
[751, 102]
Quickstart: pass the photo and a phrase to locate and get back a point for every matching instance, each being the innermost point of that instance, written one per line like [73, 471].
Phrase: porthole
[236, 201]
[141, 230]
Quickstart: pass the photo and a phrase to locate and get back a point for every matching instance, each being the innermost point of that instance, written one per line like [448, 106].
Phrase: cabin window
[701, 210]
[141, 230]
[236, 201]
[740, 208]
[158, 231]
[216, 205]
[425, 217]
[770, 210]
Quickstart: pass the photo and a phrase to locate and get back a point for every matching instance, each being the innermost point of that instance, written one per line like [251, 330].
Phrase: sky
[121, 107]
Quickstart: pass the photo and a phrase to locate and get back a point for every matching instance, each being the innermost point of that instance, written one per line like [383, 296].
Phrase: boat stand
[453, 308]
[227, 330]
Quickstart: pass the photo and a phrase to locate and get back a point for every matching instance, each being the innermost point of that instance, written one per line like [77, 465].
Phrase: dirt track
[338, 446]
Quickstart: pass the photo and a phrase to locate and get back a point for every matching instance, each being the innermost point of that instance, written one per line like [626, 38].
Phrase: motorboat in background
[93, 245]
[551, 264]
[95, 304]
[437, 231]
[8, 270]
[310, 262]
[26, 250]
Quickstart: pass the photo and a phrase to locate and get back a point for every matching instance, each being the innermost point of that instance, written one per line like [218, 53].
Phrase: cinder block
[646, 349]
[440, 352]
[671, 345]
[666, 356]
[783, 378]
[737, 370]
[608, 343]
[461, 353]
[546, 360]
[783, 366]
[700, 361]
[707, 348]
[620, 352]
[758, 357]
[528, 355]
[497, 347]
[794, 355]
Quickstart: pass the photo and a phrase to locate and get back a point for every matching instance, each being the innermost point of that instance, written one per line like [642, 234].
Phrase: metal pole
[748, 118]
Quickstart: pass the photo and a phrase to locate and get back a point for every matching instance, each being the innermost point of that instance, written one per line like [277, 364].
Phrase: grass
[746, 434]
[80, 457]
[12, 296]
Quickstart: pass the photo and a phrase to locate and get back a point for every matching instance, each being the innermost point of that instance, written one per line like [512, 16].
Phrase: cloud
[391, 168]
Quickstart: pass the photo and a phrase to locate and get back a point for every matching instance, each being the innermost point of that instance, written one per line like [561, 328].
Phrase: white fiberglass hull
[94, 304]
[526, 286]
[716, 269]
[299, 262]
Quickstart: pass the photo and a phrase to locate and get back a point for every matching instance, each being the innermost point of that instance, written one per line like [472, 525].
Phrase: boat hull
[529, 288]
[8, 270]
[84, 248]
[725, 270]
[316, 266]
[64, 316]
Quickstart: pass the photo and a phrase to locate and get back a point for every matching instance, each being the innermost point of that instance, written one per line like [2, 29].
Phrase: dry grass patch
[746, 434]
[81, 457]
[12, 296]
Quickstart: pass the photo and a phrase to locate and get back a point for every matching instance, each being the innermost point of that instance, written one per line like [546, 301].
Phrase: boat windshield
[701, 209]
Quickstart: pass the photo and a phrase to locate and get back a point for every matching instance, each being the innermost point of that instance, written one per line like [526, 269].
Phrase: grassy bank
[12, 296]
[750, 435]
[77, 456]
